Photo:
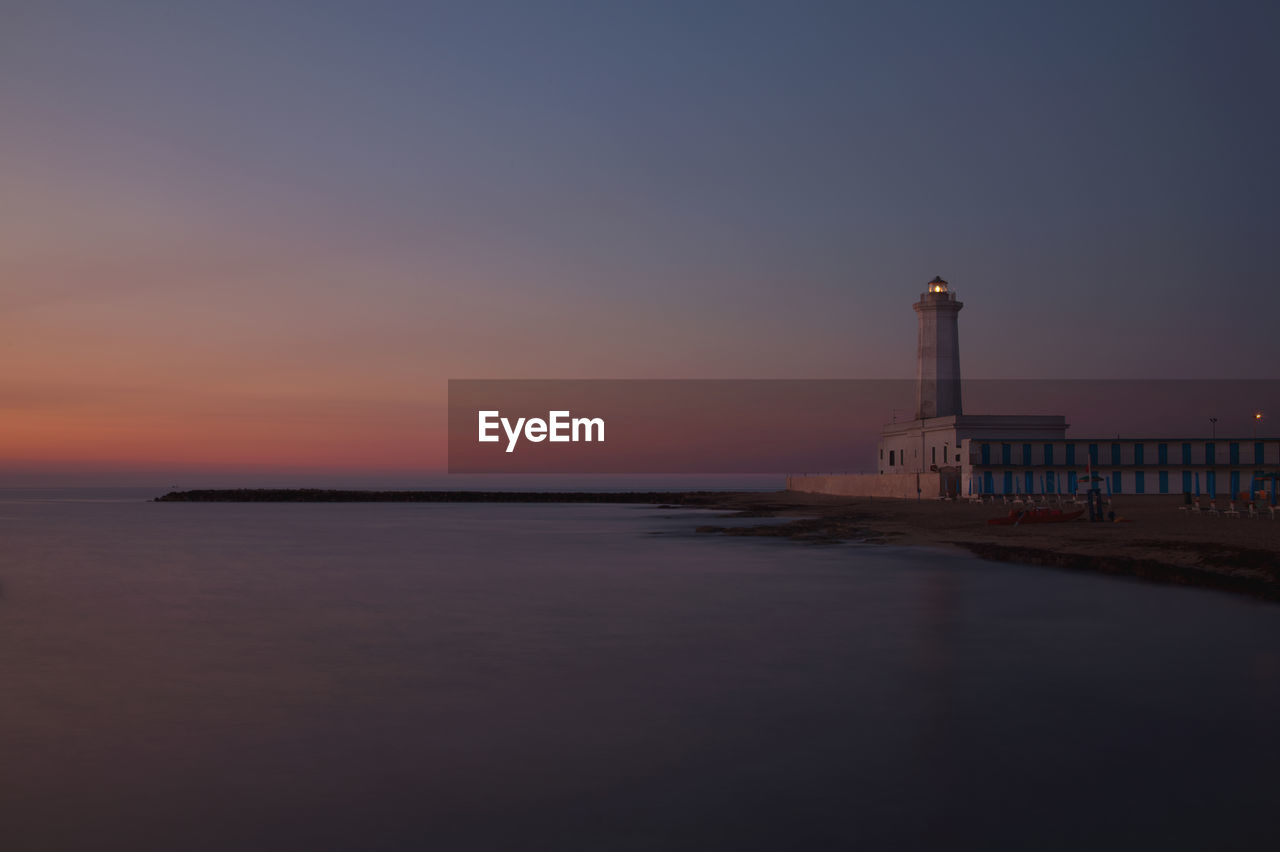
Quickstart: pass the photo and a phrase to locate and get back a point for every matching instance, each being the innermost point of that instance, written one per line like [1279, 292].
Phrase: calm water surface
[437, 677]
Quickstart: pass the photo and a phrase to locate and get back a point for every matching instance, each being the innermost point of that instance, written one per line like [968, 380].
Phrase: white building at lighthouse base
[956, 454]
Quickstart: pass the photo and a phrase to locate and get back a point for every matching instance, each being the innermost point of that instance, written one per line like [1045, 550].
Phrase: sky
[261, 236]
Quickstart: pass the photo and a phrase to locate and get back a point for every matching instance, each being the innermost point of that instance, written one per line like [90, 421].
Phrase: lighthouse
[938, 352]
[945, 453]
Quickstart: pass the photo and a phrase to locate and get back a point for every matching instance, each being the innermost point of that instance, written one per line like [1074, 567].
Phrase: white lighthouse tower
[944, 452]
[938, 352]
[934, 442]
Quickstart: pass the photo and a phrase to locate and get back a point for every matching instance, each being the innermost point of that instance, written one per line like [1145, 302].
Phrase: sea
[210, 676]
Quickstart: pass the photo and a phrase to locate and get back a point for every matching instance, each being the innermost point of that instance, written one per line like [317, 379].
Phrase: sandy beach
[1156, 540]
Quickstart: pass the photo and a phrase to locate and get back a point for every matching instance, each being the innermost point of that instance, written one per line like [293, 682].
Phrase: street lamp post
[1213, 473]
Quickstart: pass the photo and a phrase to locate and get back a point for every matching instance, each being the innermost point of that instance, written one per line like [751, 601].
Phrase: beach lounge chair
[1253, 510]
[1195, 507]
[1231, 511]
[1213, 508]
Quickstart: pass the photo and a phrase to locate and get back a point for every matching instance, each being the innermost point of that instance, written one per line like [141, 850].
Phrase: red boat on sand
[1035, 516]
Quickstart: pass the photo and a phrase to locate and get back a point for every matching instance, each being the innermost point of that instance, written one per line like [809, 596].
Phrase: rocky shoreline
[333, 495]
[1157, 542]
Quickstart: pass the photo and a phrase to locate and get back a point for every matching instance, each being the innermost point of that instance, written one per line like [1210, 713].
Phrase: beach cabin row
[1227, 467]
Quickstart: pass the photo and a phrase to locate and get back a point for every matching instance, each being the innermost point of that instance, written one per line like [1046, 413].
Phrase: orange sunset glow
[217, 251]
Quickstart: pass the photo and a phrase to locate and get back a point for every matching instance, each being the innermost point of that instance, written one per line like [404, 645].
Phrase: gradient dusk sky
[264, 234]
